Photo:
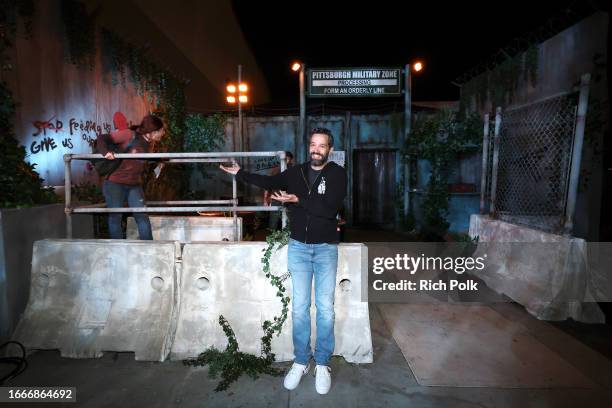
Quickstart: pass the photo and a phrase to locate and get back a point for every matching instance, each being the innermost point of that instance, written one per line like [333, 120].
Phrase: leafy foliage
[128, 62]
[439, 139]
[87, 192]
[231, 363]
[20, 184]
[80, 33]
[204, 134]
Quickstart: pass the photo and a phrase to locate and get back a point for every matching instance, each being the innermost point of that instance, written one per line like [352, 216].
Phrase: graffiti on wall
[50, 134]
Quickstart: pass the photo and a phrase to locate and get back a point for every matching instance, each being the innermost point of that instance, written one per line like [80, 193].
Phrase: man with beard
[314, 191]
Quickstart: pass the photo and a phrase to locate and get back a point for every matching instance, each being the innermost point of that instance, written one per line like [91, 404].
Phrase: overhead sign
[348, 82]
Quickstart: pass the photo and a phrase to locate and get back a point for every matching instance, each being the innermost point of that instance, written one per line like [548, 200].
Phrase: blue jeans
[115, 195]
[304, 261]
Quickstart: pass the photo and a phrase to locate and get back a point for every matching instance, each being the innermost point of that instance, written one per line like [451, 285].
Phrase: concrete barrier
[88, 296]
[227, 279]
[188, 229]
[546, 274]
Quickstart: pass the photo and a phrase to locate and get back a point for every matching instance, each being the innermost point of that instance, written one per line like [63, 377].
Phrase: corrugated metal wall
[364, 137]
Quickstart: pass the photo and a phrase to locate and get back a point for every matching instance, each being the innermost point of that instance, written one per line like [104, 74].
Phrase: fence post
[282, 156]
[485, 164]
[235, 205]
[572, 191]
[496, 141]
[68, 194]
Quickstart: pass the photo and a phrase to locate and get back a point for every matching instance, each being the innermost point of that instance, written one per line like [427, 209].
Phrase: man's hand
[231, 170]
[285, 198]
[109, 156]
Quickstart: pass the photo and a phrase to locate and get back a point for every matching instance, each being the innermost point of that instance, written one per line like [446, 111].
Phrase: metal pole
[407, 130]
[407, 103]
[234, 209]
[226, 208]
[406, 186]
[283, 166]
[221, 156]
[496, 141]
[302, 125]
[240, 109]
[68, 195]
[572, 195]
[485, 164]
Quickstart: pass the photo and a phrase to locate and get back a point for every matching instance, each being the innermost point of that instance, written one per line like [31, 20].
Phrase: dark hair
[149, 124]
[324, 131]
[289, 155]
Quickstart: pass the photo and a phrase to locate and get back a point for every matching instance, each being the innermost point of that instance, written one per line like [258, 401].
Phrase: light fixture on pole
[237, 93]
[418, 67]
[297, 66]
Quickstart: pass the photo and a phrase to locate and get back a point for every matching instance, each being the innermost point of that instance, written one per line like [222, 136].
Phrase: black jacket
[313, 218]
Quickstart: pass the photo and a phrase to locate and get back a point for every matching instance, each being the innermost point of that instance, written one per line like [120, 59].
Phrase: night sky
[450, 38]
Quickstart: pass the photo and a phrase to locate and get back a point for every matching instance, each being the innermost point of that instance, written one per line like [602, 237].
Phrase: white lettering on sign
[354, 82]
[331, 74]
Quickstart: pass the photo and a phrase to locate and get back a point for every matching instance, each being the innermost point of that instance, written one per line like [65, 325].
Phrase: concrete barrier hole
[203, 283]
[345, 285]
[157, 283]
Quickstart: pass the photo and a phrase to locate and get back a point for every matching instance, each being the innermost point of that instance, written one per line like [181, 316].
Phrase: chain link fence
[534, 156]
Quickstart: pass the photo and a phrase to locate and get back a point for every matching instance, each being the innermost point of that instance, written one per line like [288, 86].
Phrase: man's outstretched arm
[277, 182]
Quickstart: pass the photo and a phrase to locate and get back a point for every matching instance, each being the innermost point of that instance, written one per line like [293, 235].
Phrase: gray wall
[351, 131]
[19, 228]
[562, 59]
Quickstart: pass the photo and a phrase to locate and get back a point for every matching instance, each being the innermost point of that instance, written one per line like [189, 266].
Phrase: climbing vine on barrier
[232, 363]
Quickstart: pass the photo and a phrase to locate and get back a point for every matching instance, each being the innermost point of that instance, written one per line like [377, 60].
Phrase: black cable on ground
[20, 363]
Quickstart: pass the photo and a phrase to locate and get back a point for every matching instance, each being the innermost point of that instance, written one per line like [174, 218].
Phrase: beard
[318, 160]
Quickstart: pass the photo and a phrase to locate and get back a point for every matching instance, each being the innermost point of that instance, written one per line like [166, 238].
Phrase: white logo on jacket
[321, 188]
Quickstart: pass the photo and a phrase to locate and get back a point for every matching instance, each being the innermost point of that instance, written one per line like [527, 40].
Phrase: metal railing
[531, 177]
[171, 206]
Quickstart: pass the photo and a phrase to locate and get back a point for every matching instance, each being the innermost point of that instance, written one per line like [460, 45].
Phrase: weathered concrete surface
[188, 229]
[462, 335]
[117, 380]
[548, 277]
[227, 279]
[89, 296]
[19, 228]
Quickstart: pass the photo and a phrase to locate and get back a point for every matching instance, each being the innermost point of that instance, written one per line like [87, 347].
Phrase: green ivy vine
[232, 363]
[129, 63]
[204, 134]
[80, 33]
[439, 139]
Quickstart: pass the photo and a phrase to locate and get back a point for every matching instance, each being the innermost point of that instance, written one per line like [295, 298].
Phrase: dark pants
[115, 195]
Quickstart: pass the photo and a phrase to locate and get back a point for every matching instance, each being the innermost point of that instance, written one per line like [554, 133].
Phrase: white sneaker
[323, 379]
[295, 374]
